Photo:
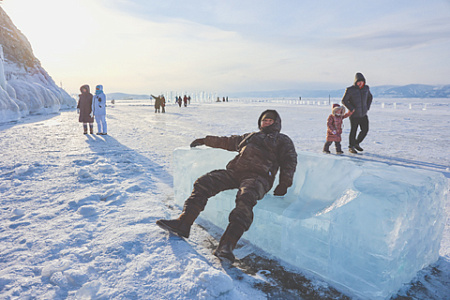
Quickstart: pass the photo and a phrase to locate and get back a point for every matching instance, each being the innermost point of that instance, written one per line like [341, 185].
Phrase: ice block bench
[363, 226]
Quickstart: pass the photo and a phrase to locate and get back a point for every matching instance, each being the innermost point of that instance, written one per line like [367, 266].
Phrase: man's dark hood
[359, 77]
[275, 127]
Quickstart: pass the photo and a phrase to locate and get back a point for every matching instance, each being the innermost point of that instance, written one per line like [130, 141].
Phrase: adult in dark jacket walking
[84, 109]
[358, 98]
[252, 172]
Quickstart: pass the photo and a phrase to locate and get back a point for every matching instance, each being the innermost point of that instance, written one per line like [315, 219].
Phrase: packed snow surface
[78, 211]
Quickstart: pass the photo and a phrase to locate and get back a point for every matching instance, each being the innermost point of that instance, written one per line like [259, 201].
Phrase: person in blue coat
[99, 110]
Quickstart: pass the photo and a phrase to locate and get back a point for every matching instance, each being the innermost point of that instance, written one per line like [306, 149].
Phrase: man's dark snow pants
[251, 188]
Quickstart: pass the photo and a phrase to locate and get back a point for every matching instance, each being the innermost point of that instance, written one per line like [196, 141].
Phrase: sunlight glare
[52, 26]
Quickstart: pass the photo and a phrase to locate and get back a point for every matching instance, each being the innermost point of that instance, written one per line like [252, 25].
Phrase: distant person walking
[99, 110]
[157, 103]
[334, 128]
[358, 98]
[163, 104]
[84, 109]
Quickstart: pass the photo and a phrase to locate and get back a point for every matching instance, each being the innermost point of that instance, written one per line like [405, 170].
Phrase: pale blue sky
[151, 46]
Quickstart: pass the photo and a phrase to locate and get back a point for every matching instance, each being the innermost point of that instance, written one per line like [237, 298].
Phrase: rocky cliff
[25, 87]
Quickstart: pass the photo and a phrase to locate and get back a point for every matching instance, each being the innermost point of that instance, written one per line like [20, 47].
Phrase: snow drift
[367, 227]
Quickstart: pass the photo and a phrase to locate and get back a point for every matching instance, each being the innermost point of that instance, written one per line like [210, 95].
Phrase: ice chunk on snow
[52, 268]
[210, 283]
[59, 279]
[367, 227]
[89, 290]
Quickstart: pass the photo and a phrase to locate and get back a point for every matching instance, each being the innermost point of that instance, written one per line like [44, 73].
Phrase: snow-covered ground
[78, 211]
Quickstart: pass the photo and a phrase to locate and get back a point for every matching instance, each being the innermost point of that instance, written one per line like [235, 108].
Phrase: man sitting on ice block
[252, 172]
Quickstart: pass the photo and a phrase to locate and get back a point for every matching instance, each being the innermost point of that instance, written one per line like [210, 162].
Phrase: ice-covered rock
[366, 227]
[25, 87]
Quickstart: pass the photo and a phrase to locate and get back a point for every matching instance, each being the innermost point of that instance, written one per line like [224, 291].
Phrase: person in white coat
[99, 110]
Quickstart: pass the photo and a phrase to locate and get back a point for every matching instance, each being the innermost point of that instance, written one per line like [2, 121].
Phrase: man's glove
[91, 114]
[280, 190]
[198, 142]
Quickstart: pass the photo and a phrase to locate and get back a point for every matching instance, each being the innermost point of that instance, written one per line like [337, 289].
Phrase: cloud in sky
[142, 46]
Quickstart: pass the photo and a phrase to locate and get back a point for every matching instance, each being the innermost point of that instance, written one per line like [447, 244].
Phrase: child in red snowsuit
[334, 131]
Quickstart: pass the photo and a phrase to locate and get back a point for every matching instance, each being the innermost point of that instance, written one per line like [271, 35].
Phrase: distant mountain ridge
[413, 91]
[385, 91]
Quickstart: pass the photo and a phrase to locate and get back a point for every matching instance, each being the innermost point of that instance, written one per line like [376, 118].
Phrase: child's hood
[338, 111]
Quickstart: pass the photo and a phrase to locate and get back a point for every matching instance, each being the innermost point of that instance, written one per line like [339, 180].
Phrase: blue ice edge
[364, 226]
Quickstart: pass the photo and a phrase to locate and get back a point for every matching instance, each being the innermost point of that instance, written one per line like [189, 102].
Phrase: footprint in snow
[87, 211]
[15, 225]
[133, 189]
[107, 194]
[82, 162]
[106, 169]
[17, 214]
[84, 174]
[23, 172]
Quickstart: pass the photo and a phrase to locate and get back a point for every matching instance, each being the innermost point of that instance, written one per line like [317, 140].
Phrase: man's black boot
[180, 226]
[228, 242]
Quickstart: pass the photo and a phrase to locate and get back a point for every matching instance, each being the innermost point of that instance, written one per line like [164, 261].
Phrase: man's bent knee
[243, 217]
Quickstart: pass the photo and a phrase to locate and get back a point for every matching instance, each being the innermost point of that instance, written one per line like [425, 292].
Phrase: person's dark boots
[352, 149]
[326, 148]
[85, 129]
[228, 242]
[338, 148]
[357, 147]
[180, 226]
[91, 129]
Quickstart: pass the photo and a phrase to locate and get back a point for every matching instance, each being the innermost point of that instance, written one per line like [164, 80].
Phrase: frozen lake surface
[78, 211]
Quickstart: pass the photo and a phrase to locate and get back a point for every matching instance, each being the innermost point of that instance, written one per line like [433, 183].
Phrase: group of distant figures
[186, 100]
[160, 102]
[223, 99]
